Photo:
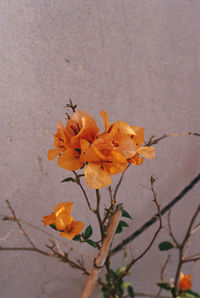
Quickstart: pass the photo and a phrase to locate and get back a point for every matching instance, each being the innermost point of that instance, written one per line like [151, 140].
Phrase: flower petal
[74, 229]
[96, 177]
[139, 138]
[63, 220]
[136, 160]
[87, 152]
[124, 128]
[67, 206]
[69, 160]
[49, 219]
[104, 115]
[52, 153]
[147, 152]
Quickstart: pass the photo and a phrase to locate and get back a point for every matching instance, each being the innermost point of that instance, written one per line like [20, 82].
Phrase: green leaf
[120, 226]
[126, 214]
[88, 232]
[121, 270]
[165, 245]
[120, 287]
[123, 223]
[105, 293]
[130, 291]
[191, 294]
[53, 226]
[92, 243]
[68, 180]
[114, 274]
[164, 286]
[77, 238]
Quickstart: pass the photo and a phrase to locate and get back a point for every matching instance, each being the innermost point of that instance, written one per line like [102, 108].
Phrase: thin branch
[191, 260]
[195, 229]
[19, 225]
[120, 181]
[153, 141]
[151, 221]
[181, 248]
[70, 106]
[27, 249]
[170, 229]
[83, 190]
[12, 218]
[162, 274]
[97, 212]
[128, 267]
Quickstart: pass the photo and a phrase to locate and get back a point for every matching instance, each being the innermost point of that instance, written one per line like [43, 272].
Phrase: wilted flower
[185, 282]
[63, 221]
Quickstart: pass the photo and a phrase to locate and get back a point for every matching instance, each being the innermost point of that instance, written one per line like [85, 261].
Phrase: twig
[101, 258]
[170, 229]
[70, 106]
[181, 248]
[153, 141]
[120, 181]
[195, 229]
[133, 261]
[78, 181]
[97, 212]
[162, 274]
[19, 225]
[155, 217]
[28, 249]
[12, 218]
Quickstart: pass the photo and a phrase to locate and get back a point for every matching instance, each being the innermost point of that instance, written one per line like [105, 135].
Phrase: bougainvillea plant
[81, 148]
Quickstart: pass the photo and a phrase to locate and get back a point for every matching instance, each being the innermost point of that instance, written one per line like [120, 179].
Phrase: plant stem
[99, 261]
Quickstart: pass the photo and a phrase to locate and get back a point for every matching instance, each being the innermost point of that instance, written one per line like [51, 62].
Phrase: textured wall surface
[139, 61]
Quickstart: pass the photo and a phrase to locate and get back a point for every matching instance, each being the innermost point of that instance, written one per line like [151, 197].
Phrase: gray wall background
[139, 61]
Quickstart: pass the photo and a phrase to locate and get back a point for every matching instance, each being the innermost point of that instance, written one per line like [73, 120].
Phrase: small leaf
[119, 229]
[120, 225]
[77, 238]
[166, 245]
[130, 291]
[191, 294]
[68, 180]
[164, 286]
[114, 274]
[120, 287]
[88, 232]
[126, 214]
[53, 226]
[123, 223]
[121, 270]
[92, 243]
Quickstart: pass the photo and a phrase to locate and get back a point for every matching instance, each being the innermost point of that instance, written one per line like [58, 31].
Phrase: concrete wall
[139, 61]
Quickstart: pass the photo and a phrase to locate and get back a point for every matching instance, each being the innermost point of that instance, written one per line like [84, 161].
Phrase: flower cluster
[63, 221]
[79, 143]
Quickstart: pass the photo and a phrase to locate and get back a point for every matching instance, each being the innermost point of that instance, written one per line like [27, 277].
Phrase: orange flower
[63, 221]
[128, 140]
[102, 160]
[185, 282]
[105, 154]
[67, 140]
